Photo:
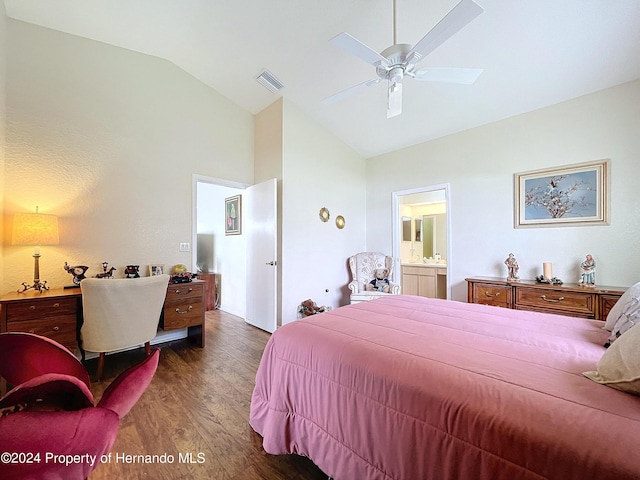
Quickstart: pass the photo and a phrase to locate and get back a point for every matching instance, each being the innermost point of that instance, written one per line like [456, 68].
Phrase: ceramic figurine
[588, 272]
[132, 271]
[77, 271]
[106, 273]
[512, 268]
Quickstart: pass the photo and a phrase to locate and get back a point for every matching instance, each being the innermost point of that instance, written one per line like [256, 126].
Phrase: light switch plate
[185, 247]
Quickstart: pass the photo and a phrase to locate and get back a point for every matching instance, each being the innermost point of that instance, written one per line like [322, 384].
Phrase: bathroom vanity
[424, 280]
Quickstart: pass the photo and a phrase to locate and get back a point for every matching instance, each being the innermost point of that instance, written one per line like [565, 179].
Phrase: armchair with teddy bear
[370, 274]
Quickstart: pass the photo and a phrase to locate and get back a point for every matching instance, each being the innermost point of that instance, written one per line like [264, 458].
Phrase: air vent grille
[269, 81]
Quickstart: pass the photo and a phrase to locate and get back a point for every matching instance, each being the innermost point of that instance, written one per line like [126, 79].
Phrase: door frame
[397, 231]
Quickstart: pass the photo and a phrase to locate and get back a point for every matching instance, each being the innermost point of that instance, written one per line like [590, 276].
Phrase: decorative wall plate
[324, 214]
[340, 221]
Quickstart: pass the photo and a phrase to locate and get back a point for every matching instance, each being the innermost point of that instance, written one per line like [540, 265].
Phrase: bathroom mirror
[434, 235]
[418, 229]
[406, 229]
[428, 243]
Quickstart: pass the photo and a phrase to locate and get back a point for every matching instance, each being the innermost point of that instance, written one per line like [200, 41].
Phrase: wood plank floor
[198, 403]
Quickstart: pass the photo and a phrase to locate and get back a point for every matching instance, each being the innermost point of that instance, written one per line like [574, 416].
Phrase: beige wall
[108, 140]
[479, 165]
[318, 171]
[3, 43]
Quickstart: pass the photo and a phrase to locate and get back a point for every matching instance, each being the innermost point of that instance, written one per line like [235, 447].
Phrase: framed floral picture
[573, 195]
[233, 215]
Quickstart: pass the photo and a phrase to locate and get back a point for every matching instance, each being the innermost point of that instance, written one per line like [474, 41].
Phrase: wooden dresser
[568, 299]
[57, 313]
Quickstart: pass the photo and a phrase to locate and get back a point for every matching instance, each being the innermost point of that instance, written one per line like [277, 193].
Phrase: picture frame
[156, 269]
[233, 215]
[571, 195]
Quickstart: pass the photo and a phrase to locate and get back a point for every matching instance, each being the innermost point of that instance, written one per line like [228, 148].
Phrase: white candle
[547, 270]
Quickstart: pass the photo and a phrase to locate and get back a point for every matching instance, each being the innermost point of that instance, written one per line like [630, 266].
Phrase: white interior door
[260, 225]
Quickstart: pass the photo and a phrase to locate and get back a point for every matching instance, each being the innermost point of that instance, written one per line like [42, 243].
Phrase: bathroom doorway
[421, 229]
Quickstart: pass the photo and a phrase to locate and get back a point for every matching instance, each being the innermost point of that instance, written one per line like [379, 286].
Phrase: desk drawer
[488, 294]
[181, 314]
[61, 328]
[45, 308]
[576, 304]
[180, 291]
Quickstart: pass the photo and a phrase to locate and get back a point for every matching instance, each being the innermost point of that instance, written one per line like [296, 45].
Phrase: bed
[413, 388]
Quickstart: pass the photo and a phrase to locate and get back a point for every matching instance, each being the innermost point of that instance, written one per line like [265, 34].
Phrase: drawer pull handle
[179, 292]
[56, 328]
[182, 312]
[492, 294]
[544, 297]
[32, 307]
[32, 331]
[56, 305]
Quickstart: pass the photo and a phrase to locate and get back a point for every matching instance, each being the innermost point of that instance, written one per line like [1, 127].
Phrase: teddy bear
[380, 282]
[309, 307]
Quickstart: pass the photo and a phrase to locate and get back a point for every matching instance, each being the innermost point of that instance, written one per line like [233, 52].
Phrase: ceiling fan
[400, 60]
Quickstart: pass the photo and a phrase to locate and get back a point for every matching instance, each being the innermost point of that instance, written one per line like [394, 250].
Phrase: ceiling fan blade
[355, 47]
[349, 91]
[464, 76]
[394, 104]
[462, 14]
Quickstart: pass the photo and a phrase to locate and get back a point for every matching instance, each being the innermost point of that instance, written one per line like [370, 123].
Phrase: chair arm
[395, 288]
[353, 286]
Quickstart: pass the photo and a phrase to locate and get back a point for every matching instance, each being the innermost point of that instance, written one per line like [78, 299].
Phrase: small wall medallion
[324, 214]
[340, 222]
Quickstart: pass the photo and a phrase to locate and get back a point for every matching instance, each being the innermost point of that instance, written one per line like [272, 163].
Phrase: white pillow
[616, 310]
[629, 317]
[619, 367]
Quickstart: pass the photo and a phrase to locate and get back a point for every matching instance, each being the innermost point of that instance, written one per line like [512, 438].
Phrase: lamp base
[37, 285]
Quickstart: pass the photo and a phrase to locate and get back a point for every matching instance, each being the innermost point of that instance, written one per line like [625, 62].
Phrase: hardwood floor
[198, 405]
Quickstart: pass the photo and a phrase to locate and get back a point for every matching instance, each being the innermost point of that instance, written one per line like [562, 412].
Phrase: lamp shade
[35, 229]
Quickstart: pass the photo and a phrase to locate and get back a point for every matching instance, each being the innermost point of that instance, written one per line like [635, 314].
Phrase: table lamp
[35, 229]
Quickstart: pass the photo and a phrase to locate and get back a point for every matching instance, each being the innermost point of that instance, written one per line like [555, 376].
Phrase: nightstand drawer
[180, 291]
[559, 301]
[61, 328]
[45, 308]
[183, 314]
[488, 294]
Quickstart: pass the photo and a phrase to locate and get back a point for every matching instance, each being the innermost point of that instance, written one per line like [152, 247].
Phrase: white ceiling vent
[269, 81]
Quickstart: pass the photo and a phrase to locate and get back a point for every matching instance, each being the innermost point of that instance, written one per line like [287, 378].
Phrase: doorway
[215, 252]
[245, 259]
[426, 212]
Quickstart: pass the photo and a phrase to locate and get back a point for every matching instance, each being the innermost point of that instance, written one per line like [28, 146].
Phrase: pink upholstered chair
[56, 414]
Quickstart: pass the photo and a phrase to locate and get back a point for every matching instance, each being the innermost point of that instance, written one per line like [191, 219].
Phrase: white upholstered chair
[120, 313]
[363, 266]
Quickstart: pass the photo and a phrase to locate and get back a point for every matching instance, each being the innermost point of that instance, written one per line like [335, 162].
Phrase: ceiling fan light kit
[399, 60]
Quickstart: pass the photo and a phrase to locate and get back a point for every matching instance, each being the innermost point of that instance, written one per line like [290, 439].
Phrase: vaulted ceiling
[534, 53]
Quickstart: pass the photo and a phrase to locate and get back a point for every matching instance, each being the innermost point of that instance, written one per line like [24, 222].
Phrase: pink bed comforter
[413, 388]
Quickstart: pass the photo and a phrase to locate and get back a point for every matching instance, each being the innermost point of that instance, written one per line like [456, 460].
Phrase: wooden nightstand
[568, 299]
[184, 308]
[53, 314]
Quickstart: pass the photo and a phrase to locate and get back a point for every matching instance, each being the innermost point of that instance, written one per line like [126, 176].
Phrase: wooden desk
[568, 299]
[57, 313]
